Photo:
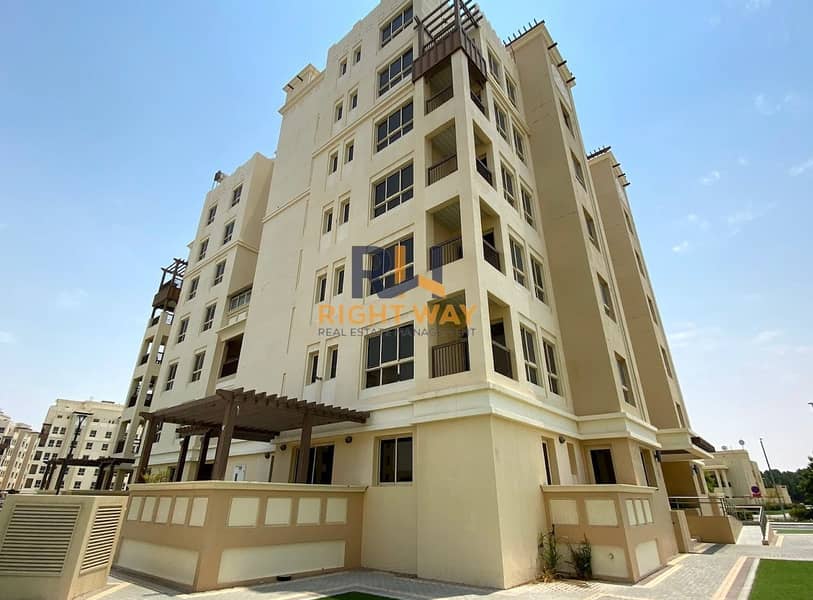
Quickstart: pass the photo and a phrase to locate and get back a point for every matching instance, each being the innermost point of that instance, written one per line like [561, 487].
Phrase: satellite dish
[742, 443]
[725, 447]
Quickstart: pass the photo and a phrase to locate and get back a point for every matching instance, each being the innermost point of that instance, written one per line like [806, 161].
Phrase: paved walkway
[712, 572]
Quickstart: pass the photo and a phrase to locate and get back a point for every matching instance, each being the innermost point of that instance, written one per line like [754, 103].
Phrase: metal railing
[479, 103]
[492, 255]
[502, 359]
[722, 506]
[485, 173]
[445, 253]
[440, 98]
[441, 169]
[450, 358]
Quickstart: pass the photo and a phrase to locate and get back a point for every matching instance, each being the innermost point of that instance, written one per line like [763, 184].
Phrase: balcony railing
[440, 98]
[502, 359]
[492, 255]
[479, 103]
[445, 253]
[132, 400]
[119, 446]
[441, 169]
[450, 358]
[144, 359]
[148, 399]
[485, 173]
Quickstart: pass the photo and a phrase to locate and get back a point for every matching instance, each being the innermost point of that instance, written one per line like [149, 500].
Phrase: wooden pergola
[243, 415]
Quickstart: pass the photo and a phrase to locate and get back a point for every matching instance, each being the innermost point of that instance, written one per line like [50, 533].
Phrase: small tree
[161, 476]
[582, 563]
[549, 556]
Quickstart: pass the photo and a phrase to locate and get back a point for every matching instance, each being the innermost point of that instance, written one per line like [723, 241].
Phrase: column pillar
[224, 441]
[204, 450]
[146, 448]
[304, 449]
[179, 467]
[100, 477]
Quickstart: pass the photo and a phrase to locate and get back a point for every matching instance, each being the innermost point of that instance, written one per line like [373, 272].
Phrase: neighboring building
[141, 391]
[94, 440]
[735, 474]
[17, 443]
[778, 493]
[527, 406]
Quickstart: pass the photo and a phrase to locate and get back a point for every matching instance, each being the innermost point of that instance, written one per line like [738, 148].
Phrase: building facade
[431, 245]
[17, 444]
[735, 474]
[87, 425]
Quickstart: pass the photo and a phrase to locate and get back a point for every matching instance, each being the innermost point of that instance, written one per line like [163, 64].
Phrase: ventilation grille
[102, 537]
[37, 538]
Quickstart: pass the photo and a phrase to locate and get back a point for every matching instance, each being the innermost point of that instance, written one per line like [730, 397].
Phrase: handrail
[450, 358]
[479, 103]
[441, 169]
[491, 254]
[445, 253]
[440, 98]
[485, 172]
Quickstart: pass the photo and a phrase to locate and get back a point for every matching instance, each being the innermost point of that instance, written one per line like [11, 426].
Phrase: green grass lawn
[355, 596]
[786, 579]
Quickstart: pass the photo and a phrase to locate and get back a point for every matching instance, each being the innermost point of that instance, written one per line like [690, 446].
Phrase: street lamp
[773, 481]
[81, 417]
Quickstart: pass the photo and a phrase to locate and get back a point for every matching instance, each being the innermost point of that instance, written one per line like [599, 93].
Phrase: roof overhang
[683, 444]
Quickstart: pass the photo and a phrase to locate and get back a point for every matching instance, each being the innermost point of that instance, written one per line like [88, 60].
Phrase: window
[529, 354]
[220, 269]
[629, 222]
[210, 218]
[640, 264]
[571, 457]
[231, 356]
[649, 468]
[89, 446]
[348, 152]
[313, 367]
[624, 377]
[551, 364]
[394, 26]
[171, 373]
[354, 99]
[508, 186]
[92, 433]
[539, 278]
[105, 447]
[327, 221]
[652, 310]
[236, 194]
[577, 167]
[239, 299]
[338, 281]
[357, 55]
[546, 461]
[197, 366]
[342, 67]
[393, 127]
[591, 228]
[321, 288]
[344, 211]
[519, 144]
[395, 460]
[393, 190]
[182, 327]
[517, 261]
[392, 265]
[77, 485]
[527, 205]
[228, 231]
[193, 288]
[511, 88]
[337, 112]
[502, 121]
[606, 297]
[320, 465]
[333, 361]
[209, 317]
[566, 117]
[204, 246]
[603, 470]
[108, 435]
[389, 356]
[398, 70]
[494, 66]
[333, 162]
[666, 361]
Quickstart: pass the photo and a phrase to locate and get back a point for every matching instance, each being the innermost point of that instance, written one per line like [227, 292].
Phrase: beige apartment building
[431, 297]
[17, 444]
[87, 424]
[735, 474]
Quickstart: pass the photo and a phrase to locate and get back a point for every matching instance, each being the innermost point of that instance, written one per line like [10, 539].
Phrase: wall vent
[38, 538]
[102, 537]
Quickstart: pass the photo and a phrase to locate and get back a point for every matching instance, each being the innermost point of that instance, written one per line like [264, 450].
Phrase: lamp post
[81, 417]
[773, 481]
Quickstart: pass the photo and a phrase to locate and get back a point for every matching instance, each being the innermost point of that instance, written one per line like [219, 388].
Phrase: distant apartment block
[17, 444]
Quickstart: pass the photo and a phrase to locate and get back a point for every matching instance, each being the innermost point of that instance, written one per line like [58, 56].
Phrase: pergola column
[224, 441]
[146, 448]
[304, 449]
[108, 477]
[179, 467]
[100, 477]
[725, 479]
[204, 450]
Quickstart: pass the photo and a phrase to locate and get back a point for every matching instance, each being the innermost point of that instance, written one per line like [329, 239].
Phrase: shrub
[801, 513]
[549, 556]
[582, 555]
[157, 476]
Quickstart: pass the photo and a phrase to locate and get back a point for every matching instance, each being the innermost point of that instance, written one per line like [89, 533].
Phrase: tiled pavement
[713, 572]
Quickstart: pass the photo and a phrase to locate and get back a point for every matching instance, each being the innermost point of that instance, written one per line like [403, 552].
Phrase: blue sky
[114, 116]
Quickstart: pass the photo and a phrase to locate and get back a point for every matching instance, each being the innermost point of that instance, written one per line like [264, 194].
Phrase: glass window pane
[389, 345]
[389, 375]
[406, 176]
[394, 121]
[406, 371]
[404, 455]
[380, 191]
[373, 351]
[373, 379]
[393, 182]
[386, 462]
[406, 113]
[408, 251]
[382, 131]
[406, 346]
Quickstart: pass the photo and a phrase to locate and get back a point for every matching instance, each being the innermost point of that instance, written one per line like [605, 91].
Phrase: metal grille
[102, 538]
[37, 538]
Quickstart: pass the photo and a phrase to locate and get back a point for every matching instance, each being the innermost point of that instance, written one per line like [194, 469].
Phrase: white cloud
[689, 334]
[767, 106]
[70, 299]
[714, 20]
[741, 217]
[681, 247]
[710, 178]
[755, 5]
[743, 161]
[6, 337]
[698, 221]
[797, 170]
[768, 335]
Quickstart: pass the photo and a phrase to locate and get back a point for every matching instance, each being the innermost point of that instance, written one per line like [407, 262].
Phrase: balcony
[119, 446]
[445, 253]
[439, 99]
[168, 295]
[442, 32]
[144, 358]
[442, 169]
[502, 359]
[491, 254]
[478, 102]
[450, 358]
[131, 401]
